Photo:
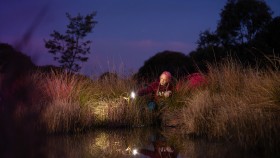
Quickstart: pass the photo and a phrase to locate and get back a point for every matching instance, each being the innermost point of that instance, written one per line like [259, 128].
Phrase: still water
[122, 143]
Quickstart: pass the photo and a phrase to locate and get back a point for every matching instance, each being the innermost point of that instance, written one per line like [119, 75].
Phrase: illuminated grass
[73, 103]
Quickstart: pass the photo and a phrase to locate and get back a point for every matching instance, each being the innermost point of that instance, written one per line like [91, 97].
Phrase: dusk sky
[128, 32]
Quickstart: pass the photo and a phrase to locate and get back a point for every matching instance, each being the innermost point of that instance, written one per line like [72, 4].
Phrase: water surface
[119, 143]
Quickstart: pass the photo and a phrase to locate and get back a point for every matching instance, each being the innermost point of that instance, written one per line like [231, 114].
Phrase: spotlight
[134, 152]
[132, 95]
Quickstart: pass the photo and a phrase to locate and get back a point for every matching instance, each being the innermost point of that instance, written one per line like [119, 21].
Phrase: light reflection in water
[121, 144]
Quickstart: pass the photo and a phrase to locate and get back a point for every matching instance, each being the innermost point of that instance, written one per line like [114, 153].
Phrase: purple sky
[128, 32]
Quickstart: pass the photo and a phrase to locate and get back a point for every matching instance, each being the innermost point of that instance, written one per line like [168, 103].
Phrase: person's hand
[167, 94]
[169, 149]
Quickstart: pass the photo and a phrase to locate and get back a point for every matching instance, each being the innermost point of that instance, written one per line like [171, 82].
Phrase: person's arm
[147, 90]
[169, 91]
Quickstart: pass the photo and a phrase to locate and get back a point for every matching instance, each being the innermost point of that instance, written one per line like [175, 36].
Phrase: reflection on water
[128, 143]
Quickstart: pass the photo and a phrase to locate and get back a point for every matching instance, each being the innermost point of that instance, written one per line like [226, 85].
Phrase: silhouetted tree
[208, 39]
[203, 56]
[108, 76]
[14, 63]
[70, 48]
[241, 21]
[268, 40]
[175, 62]
[18, 91]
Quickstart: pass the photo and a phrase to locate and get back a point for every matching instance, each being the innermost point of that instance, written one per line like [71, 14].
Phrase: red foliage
[196, 80]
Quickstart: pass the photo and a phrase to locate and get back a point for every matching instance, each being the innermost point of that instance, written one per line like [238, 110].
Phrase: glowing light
[134, 151]
[132, 95]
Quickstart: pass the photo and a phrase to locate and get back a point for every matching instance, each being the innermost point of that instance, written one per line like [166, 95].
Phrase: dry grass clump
[238, 104]
[62, 110]
[73, 103]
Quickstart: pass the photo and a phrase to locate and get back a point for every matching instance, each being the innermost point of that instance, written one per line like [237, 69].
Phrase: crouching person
[159, 91]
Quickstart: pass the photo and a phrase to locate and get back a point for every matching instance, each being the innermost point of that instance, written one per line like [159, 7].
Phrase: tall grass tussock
[74, 103]
[238, 104]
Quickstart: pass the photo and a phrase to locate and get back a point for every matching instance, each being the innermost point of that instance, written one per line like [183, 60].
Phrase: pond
[120, 143]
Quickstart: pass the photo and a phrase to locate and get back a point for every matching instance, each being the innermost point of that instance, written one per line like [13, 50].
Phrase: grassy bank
[237, 104]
